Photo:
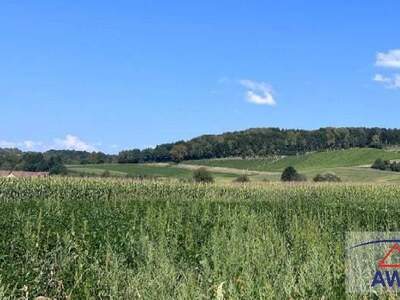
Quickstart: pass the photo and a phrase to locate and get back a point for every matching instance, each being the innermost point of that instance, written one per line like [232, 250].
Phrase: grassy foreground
[87, 238]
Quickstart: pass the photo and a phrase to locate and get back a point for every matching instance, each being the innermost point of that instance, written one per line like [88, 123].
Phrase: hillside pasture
[149, 170]
[310, 161]
[351, 165]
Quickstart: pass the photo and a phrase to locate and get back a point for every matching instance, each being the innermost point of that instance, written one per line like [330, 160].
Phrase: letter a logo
[385, 262]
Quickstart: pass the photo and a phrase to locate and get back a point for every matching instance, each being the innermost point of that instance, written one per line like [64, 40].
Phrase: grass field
[311, 161]
[134, 170]
[120, 239]
[146, 170]
[351, 165]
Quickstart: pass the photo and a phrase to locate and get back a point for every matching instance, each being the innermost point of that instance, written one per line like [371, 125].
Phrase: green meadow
[313, 161]
[149, 171]
[352, 165]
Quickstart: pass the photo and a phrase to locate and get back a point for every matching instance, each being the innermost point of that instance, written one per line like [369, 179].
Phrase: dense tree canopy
[52, 161]
[72, 157]
[256, 142]
[14, 159]
[264, 142]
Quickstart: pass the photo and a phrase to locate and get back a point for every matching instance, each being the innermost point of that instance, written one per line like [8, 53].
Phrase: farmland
[148, 170]
[310, 161]
[109, 238]
[350, 165]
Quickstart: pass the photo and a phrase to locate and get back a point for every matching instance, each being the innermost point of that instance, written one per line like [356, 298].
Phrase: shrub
[379, 164]
[202, 175]
[106, 173]
[395, 166]
[242, 179]
[290, 174]
[58, 169]
[386, 165]
[327, 177]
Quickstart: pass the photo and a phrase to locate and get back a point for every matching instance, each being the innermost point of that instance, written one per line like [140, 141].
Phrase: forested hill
[256, 142]
[264, 142]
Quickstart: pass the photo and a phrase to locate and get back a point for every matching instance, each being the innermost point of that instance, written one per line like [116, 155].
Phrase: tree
[379, 164]
[129, 156]
[290, 174]
[202, 175]
[375, 141]
[33, 162]
[56, 167]
[178, 152]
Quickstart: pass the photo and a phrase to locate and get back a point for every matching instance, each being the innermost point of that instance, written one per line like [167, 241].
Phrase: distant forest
[257, 142]
[52, 161]
[261, 142]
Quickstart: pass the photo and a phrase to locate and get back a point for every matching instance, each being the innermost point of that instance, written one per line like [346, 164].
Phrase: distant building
[13, 174]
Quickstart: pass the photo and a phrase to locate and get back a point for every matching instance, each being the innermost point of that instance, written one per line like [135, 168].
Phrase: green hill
[352, 165]
[146, 170]
[311, 161]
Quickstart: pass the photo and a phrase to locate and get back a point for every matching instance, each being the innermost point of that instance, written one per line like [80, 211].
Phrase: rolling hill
[352, 165]
[150, 170]
[310, 161]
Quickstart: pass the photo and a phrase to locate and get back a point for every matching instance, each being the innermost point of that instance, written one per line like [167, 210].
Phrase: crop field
[350, 165]
[122, 239]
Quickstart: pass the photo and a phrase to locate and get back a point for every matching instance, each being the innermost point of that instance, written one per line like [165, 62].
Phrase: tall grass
[88, 238]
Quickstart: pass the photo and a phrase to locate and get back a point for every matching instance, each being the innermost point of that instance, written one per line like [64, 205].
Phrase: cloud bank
[70, 142]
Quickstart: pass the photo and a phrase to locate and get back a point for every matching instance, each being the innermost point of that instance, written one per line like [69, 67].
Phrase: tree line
[16, 160]
[256, 142]
[52, 161]
[261, 142]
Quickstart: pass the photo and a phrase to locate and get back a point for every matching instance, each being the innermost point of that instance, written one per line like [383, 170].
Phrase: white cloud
[381, 78]
[258, 92]
[71, 142]
[392, 82]
[390, 59]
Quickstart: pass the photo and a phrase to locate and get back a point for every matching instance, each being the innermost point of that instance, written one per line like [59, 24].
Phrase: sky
[113, 75]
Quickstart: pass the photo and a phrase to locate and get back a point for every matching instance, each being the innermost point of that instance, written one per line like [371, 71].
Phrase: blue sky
[112, 75]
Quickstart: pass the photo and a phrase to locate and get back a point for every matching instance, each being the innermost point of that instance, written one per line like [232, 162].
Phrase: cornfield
[68, 238]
